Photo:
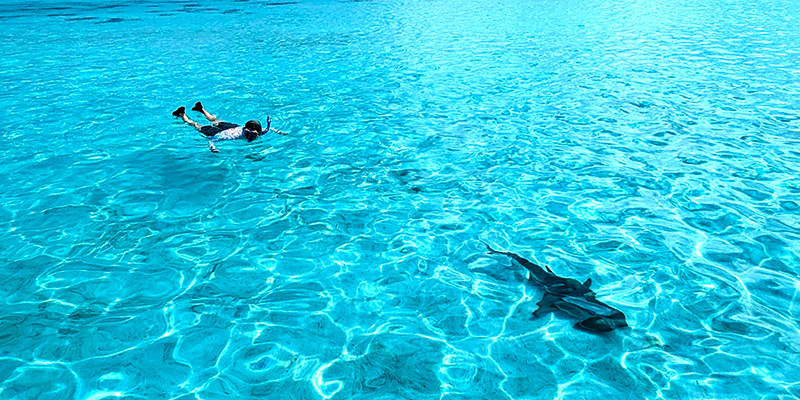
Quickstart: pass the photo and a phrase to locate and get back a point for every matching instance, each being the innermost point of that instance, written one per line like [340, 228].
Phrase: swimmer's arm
[211, 141]
[278, 132]
[270, 128]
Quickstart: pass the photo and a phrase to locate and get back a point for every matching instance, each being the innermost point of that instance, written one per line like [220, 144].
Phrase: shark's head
[602, 323]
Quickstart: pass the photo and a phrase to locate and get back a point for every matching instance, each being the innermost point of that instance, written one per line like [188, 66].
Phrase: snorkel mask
[257, 134]
[252, 134]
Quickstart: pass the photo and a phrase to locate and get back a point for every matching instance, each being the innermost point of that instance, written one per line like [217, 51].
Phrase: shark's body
[571, 297]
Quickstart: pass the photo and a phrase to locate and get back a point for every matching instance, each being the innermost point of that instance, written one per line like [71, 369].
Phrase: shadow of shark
[571, 297]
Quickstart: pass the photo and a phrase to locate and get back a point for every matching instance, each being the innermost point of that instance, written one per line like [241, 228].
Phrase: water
[649, 145]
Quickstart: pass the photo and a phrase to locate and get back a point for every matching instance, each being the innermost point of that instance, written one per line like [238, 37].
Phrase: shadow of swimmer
[571, 297]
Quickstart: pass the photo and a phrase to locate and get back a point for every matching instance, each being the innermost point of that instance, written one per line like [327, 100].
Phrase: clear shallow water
[649, 145]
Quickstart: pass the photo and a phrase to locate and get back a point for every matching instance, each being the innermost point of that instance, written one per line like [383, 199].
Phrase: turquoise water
[652, 146]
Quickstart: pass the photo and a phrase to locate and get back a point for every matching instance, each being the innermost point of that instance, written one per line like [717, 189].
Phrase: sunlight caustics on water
[652, 146]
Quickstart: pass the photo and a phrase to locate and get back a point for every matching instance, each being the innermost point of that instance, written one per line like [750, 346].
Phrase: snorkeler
[220, 130]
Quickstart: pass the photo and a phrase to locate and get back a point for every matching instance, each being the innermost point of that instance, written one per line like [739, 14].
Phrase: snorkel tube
[269, 121]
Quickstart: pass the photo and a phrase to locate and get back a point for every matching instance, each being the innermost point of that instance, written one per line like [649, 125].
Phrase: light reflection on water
[650, 146]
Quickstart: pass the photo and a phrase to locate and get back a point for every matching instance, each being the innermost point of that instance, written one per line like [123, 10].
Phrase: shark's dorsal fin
[588, 283]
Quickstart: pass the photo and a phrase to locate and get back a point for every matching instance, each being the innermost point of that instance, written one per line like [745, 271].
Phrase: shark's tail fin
[538, 272]
[491, 250]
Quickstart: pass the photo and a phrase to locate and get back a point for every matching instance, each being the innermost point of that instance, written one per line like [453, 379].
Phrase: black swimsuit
[211, 130]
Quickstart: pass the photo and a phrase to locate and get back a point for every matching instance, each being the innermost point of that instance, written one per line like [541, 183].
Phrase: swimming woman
[220, 130]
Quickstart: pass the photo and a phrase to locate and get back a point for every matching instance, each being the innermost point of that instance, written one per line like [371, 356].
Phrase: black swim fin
[198, 107]
[179, 112]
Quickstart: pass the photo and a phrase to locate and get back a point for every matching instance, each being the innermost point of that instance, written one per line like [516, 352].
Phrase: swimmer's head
[252, 130]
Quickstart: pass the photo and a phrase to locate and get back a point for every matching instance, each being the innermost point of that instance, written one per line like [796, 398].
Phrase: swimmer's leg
[211, 117]
[181, 113]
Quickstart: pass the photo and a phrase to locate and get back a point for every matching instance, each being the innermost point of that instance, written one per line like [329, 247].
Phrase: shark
[569, 296]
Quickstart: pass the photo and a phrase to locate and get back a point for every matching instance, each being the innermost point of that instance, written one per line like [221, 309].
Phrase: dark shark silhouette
[571, 297]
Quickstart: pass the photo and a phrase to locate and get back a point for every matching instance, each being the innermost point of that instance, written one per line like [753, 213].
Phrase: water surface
[651, 146]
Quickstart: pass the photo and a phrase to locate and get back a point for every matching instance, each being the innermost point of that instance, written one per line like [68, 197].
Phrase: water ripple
[646, 145]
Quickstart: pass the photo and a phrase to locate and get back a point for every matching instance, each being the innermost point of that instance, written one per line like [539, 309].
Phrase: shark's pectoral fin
[588, 283]
[546, 305]
[542, 311]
